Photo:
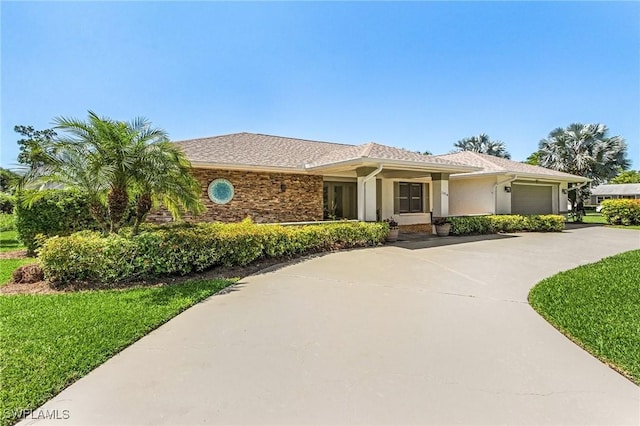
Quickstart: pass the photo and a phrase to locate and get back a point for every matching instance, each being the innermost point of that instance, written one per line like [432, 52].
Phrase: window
[410, 198]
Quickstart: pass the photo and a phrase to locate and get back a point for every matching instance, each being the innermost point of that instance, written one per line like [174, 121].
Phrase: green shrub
[182, 249]
[621, 211]
[492, 224]
[7, 222]
[54, 212]
[7, 201]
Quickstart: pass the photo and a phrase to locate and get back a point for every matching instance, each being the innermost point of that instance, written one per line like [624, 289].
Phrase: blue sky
[417, 75]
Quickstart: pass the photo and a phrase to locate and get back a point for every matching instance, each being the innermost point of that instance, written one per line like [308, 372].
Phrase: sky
[415, 75]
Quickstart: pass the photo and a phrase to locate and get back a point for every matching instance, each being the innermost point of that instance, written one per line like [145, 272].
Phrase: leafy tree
[113, 162]
[629, 176]
[584, 150]
[533, 159]
[8, 180]
[35, 147]
[482, 144]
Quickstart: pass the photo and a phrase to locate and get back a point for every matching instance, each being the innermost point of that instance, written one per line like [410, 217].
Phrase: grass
[9, 241]
[49, 341]
[596, 306]
[596, 218]
[7, 266]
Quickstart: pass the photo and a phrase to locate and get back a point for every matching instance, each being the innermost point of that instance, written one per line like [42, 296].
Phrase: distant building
[623, 190]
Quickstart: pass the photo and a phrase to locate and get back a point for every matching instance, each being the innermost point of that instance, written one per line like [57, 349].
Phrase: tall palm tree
[115, 161]
[584, 150]
[484, 145]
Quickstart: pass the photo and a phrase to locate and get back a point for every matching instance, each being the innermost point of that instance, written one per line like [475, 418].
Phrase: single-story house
[623, 190]
[507, 187]
[281, 179]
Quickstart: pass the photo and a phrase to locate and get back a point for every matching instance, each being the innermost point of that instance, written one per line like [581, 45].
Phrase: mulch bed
[15, 254]
[222, 272]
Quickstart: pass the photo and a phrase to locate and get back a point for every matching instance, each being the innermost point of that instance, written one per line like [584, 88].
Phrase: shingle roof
[251, 149]
[495, 165]
[617, 189]
[377, 151]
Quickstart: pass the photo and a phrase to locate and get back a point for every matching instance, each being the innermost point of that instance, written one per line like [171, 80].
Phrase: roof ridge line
[367, 149]
[299, 139]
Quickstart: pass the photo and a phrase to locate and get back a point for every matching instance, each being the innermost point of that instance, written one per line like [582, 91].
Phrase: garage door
[530, 199]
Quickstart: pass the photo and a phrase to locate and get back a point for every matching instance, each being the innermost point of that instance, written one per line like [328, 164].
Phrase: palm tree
[165, 179]
[484, 145]
[584, 150]
[115, 161]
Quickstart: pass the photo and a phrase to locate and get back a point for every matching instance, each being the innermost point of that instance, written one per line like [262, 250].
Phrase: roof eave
[412, 165]
[538, 176]
[250, 167]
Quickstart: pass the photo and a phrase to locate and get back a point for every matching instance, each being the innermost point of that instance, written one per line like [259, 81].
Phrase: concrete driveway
[407, 334]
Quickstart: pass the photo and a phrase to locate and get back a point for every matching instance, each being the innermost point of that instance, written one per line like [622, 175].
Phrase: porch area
[411, 197]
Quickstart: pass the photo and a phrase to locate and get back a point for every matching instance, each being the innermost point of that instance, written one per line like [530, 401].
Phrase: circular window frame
[211, 188]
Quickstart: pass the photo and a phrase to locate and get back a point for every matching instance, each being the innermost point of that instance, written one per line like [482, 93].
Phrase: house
[623, 190]
[281, 179]
[507, 187]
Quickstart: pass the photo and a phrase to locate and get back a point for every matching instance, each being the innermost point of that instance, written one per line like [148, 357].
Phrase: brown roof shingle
[258, 150]
[494, 165]
[252, 149]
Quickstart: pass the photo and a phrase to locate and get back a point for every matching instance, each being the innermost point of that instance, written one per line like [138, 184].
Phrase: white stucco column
[440, 183]
[387, 199]
[367, 199]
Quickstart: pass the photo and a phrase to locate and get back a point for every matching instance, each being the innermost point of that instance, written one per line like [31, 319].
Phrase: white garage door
[531, 199]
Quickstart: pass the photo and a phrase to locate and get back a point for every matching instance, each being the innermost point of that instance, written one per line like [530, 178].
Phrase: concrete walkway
[405, 334]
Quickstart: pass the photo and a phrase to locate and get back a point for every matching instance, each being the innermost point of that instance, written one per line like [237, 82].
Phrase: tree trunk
[118, 202]
[99, 213]
[143, 206]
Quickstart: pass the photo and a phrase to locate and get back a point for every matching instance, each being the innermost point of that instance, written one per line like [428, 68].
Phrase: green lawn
[9, 241]
[7, 266]
[596, 218]
[593, 218]
[597, 305]
[49, 341]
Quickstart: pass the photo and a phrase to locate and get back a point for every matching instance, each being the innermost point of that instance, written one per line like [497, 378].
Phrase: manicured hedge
[182, 249]
[505, 223]
[621, 212]
[7, 222]
[7, 201]
[55, 212]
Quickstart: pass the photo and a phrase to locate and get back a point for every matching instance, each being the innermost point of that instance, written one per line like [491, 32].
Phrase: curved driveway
[406, 334]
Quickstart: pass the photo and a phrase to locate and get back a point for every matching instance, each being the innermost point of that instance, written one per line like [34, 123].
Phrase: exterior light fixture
[507, 189]
[283, 187]
[564, 190]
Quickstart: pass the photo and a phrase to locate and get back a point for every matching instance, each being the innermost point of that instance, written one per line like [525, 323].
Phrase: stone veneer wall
[260, 196]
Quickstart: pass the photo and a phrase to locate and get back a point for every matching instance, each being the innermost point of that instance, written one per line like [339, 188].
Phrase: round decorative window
[220, 191]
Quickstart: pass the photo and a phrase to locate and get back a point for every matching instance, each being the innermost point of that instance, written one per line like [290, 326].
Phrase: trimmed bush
[492, 224]
[7, 222]
[621, 211]
[55, 212]
[7, 201]
[182, 249]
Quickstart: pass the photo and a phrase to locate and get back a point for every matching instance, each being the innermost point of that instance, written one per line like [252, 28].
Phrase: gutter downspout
[366, 179]
[495, 193]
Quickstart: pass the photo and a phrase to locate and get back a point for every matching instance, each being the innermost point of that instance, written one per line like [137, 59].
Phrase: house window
[410, 198]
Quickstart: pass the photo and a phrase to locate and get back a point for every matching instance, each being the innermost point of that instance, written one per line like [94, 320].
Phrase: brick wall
[260, 196]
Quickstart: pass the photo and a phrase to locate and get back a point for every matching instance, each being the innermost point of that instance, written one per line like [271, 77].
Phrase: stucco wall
[471, 196]
[260, 196]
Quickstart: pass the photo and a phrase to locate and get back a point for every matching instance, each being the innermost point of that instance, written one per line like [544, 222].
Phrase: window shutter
[396, 197]
[425, 194]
